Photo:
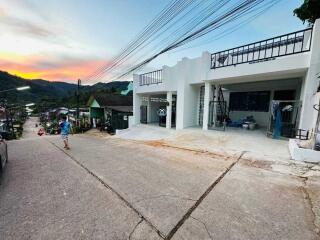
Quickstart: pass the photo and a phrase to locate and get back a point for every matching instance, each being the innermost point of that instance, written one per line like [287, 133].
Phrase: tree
[308, 11]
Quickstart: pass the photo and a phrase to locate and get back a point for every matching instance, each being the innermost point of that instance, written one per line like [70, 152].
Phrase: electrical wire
[180, 23]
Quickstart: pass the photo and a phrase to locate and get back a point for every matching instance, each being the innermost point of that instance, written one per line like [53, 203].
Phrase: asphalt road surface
[118, 189]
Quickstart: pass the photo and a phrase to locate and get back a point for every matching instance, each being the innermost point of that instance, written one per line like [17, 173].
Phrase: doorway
[143, 114]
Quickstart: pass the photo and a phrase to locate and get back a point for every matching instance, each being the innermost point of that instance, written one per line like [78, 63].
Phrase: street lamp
[29, 104]
[22, 88]
[16, 89]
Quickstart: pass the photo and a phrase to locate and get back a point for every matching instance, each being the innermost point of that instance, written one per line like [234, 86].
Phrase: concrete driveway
[109, 188]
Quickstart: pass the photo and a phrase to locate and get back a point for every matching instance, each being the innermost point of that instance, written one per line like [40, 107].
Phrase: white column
[137, 100]
[180, 108]
[207, 97]
[148, 110]
[169, 110]
[311, 82]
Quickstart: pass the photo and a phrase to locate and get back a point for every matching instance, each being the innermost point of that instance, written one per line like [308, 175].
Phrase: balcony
[149, 78]
[269, 49]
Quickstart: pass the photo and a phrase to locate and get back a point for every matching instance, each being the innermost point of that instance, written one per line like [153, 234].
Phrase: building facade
[112, 110]
[234, 84]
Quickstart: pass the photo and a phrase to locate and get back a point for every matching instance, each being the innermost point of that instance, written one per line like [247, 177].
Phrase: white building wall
[311, 82]
[207, 97]
[184, 74]
[285, 67]
[168, 83]
[137, 100]
[187, 75]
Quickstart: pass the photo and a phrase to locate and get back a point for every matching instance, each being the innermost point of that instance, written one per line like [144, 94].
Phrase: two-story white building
[271, 82]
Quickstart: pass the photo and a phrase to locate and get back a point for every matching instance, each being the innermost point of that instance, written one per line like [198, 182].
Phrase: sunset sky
[63, 40]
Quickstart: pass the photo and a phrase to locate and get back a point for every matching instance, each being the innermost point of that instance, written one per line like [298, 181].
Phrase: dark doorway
[162, 113]
[143, 114]
[289, 111]
[174, 110]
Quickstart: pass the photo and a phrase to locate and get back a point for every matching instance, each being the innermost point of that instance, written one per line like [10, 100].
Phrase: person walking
[65, 130]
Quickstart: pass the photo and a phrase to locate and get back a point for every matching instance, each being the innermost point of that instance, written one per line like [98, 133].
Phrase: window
[249, 101]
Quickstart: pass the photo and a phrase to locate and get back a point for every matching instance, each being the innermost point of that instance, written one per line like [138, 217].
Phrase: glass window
[249, 101]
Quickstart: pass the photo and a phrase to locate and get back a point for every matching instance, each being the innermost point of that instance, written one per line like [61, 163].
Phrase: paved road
[117, 189]
[29, 128]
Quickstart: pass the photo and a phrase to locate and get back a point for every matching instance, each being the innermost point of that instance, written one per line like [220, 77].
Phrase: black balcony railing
[154, 77]
[288, 44]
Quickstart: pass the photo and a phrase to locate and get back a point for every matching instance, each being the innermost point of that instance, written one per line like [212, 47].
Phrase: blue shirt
[65, 127]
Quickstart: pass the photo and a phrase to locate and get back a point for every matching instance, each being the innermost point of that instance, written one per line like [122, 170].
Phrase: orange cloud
[65, 70]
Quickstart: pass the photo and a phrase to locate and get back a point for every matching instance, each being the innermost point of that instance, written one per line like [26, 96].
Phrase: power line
[214, 24]
[232, 29]
[159, 22]
[215, 5]
[166, 29]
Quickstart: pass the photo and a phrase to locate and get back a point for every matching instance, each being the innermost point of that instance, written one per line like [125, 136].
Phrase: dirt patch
[98, 134]
[202, 139]
[266, 165]
[154, 143]
[164, 144]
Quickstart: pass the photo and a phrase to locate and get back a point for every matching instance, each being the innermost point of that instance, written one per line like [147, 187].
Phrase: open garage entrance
[154, 110]
[271, 106]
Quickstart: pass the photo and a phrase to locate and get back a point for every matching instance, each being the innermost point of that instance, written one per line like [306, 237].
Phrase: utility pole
[78, 98]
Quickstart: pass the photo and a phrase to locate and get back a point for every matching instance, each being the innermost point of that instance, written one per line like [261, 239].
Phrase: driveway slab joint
[134, 229]
[307, 197]
[202, 197]
[205, 226]
[111, 189]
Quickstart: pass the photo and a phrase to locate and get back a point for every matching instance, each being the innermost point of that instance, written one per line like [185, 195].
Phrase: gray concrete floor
[232, 140]
[110, 188]
[29, 128]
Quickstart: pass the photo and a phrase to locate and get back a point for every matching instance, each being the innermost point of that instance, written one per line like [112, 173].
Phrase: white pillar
[311, 82]
[169, 110]
[180, 108]
[148, 110]
[207, 97]
[137, 100]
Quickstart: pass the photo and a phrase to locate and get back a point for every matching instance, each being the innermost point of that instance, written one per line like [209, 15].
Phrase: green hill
[44, 92]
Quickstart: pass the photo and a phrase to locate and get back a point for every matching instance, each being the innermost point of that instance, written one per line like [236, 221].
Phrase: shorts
[64, 136]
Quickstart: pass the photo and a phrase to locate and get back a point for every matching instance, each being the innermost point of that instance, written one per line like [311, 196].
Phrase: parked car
[3, 153]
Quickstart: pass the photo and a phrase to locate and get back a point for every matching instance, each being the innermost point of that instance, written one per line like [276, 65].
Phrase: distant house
[56, 113]
[112, 108]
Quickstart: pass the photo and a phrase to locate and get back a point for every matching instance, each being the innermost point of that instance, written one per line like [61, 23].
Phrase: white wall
[169, 83]
[137, 100]
[184, 72]
[311, 82]
[191, 105]
[185, 77]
